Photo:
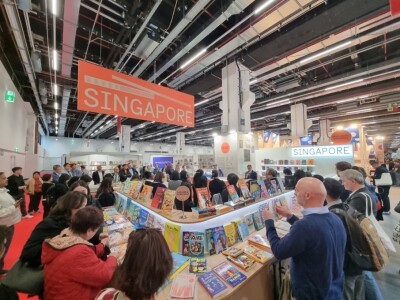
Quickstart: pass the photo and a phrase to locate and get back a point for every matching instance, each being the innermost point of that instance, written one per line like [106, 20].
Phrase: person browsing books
[233, 179]
[105, 193]
[141, 274]
[316, 244]
[199, 181]
[158, 182]
[250, 174]
[216, 186]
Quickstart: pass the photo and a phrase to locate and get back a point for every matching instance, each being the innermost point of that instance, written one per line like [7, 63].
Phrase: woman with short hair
[105, 193]
[158, 182]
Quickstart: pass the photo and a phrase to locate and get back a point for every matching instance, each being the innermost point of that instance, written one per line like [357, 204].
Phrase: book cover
[129, 203]
[117, 201]
[233, 251]
[229, 273]
[233, 196]
[310, 161]
[146, 193]
[258, 241]
[270, 188]
[285, 162]
[119, 236]
[280, 184]
[158, 198]
[203, 198]
[172, 234]
[245, 190]
[180, 263]
[219, 238]
[263, 189]
[261, 209]
[143, 215]
[242, 229]
[119, 250]
[185, 243]
[198, 265]
[132, 187]
[126, 187]
[150, 221]
[257, 254]
[133, 212]
[183, 286]
[242, 261]
[231, 234]
[122, 205]
[275, 186]
[281, 202]
[168, 201]
[255, 189]
[210, 241]
[258, 222]
[138, 188]
[248, 219]
[303, 162]
[196, 244]
[213, 285]
[236, 223]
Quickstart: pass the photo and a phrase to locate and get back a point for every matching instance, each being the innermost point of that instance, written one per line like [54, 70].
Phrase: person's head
[116, 170]
[64, 178]
[232, 179]
[86, 222]
[270, 173]
[342, 166]
[159, 177]
[374, 164]
[67, 167]
[3, 239]
[361, 170]
[308, 174]
[72, 180]
[333, 189]
[57, 169]
[86, 178]
[69, 204]
[352, 180]
[83, 168]
[310, 192]
[47, 178]
[156, 166]
[17, 171]
[109, 176]
[215, 167]
[125, 167]
[3, 180]
[298, 175]
[148, 175]
[214, 173]
[135, 177]
[287, 172]
[73, 166]
[105, 186]
[199, 173]
[387, 160]
[249, 168]
[141, 275]
[319, 177]
[184, 175]
[129, 166]
[98, 168]
[36, 175]
[174, 175]
[79, 186]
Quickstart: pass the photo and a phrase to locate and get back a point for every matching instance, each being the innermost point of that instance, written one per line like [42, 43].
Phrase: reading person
[316, 244]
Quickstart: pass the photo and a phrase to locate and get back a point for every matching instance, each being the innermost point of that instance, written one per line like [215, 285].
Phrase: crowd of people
[71, 234]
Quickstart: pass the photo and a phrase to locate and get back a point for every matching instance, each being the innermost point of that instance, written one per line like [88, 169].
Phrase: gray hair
[353, 174]
[56, 166]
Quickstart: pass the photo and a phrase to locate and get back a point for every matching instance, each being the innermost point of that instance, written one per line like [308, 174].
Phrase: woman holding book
[199, 181]
[158, 182]
[141, 274]
[233, 179]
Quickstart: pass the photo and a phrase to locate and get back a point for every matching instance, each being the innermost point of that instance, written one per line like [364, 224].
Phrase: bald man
[316, 244]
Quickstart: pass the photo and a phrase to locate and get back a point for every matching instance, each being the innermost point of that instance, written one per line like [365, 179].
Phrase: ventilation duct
[44, 99]
[25, 5]
[36, 61]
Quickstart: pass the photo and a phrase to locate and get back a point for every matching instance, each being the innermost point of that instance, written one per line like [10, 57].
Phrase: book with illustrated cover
[219, 238]
[248, 219]
[126, 187]
[233, 251]
[310, 161]
[233, 196]
[257, 254]
[231, 234]
[132, 187]
[119, 251]
[143, 215]
[281, 202]
[245, 190]
[150, 221]
[168, 201]
[158, 198]
[210, 241]
[236, 222]
[263, 189]
[198, 265]
[122, 205]
[259, 241]
[180, 263]
[183, 286]
[213, 285]
[229, 273]
[242, 261]
[275, 186]
[117, 201]
[172, 234]
[193, 243]
[119, 235]
[203, 197]
[138, 188]
[255, 189]
[133, 212]
[145, 194]
[280, 184]
[258, 222]
[261, 209]
[270, 188]
[242, 229]
[185, 243]
[129, 203]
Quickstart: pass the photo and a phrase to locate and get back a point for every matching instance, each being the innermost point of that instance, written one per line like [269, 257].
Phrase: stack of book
[203, 213]
[260, 242]
[183, 287]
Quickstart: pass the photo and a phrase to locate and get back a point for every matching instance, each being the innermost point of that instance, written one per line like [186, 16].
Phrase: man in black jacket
[98, 175]
[383, 190]
[250, 174]
[16, 187]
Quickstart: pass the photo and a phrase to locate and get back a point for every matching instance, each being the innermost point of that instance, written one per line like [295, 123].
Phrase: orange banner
[109, 92]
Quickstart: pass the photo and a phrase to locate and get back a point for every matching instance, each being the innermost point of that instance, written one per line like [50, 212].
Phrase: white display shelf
[288, 165]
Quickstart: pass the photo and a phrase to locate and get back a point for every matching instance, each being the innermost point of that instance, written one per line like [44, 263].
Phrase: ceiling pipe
[101, 14]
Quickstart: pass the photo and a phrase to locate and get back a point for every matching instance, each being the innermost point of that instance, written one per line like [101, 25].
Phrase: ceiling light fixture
[282, 102]
[201, 102]
[257, 119]
[209, 120]
[56, 115]
[359, 111]
[253, 81]
[343, 84]
[340, 127]
[55, 60]
[325, 52]
[55, 88]
[263, 6]
[54, 7]
[193, 58]
[55, 105]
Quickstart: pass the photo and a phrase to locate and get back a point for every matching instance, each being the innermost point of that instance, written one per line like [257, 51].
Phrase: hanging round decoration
[341, 137]
[182, 193]
[225, 148]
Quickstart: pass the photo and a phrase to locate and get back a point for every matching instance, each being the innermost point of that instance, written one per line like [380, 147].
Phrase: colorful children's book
[263, 189]
[185, 243]
[231, 234]
[198, 265]
[122, 205]
[183, 286]
[270, 188]
[258, 222]
[143, 214]
[219, 239]
[138, 188]
[257, 254]
[193, 244]
[260, 242]
[150, 221]
[210, 241]
[255, 189]
[132, 187]
[275, 186]
[261, 209]
[233, 196]
[213, 285]
[145, 194]
[180, 263]
[158, 198]
[126, 187]
[244, 189]
[203, 197]
[242, 229]
[233, 251]
[168, 201]
[248, 219]
[280, 184]
[120, 235]
[242, 261]
[172, 235]
[229, 273]
[133, 212]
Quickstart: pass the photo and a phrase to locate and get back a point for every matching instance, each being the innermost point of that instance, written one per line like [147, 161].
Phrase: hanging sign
[323, 151]
[341, 137]
[10, 96]
[395, 7]
[109, 92]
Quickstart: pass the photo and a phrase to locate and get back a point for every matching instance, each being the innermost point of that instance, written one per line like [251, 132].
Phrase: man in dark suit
[383, 190]
[132, 170]
[98, 175]
[389, 165]
[250, 174]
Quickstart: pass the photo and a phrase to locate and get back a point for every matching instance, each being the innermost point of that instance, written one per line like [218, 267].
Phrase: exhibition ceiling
[340, 58]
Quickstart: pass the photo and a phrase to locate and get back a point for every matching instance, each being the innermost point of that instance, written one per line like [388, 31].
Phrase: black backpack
[51, 196]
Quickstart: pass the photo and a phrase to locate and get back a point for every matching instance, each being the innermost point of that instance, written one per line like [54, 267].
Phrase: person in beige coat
[35, 192]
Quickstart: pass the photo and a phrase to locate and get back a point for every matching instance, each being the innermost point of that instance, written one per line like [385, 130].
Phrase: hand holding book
[284, 211]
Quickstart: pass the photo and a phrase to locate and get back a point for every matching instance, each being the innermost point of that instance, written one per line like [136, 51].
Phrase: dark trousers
[34, 201]
[10, 235]
[46, 208]
[384, 193]
[22, 204]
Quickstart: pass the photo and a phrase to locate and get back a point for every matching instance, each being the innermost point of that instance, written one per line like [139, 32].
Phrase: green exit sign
[10, 96]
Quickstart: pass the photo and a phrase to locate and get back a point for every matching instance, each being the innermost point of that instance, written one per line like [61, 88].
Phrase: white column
[180, 142]
[324, 131]
[125, 139]
[299, 124]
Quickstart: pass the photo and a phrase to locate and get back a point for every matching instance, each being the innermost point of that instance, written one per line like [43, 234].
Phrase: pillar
[125, 139]
[324, 130]
[180, 142]
[31, 155]
[299, 124]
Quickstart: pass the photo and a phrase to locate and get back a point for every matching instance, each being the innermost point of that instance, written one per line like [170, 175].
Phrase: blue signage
[266, 136]
[323, 151]
[355, 133]
[162, 161]
[306, 140]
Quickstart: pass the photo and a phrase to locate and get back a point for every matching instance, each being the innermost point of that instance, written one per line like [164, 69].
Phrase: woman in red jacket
[72, 267]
